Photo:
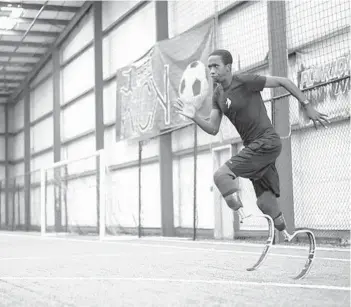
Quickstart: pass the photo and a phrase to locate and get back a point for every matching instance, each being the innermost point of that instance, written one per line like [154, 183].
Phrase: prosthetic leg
[311, 253]
[288, 238]
[269, 241]
[267, 203]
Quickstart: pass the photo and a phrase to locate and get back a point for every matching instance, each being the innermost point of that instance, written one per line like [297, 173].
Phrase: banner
[147, 88]
[330, 83]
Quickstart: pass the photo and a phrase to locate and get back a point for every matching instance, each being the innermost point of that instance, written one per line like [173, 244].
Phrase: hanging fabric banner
[147, 88]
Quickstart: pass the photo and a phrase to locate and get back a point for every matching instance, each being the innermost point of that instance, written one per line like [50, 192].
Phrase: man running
[238, 97]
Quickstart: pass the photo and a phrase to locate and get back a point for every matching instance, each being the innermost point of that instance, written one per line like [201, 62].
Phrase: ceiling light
[9, 22]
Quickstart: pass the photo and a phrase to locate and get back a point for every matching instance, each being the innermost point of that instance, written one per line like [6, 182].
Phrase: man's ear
[229, 67]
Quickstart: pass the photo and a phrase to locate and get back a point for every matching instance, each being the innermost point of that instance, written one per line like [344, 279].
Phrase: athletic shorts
[256, 162]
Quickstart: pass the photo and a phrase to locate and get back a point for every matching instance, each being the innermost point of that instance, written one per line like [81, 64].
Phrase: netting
[71, 196]
[317, 38]
[319, 33]
[17, 214]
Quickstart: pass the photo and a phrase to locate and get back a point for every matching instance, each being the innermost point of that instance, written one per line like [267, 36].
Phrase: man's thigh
[253, 161]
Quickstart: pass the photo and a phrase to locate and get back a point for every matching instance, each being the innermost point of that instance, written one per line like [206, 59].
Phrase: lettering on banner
[140, 97]
[315, 75]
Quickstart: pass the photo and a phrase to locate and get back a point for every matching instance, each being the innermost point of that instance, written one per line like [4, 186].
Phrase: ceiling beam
[34, 6]
[16, 63]
[17, 72]
[9, 84]
[12, 73]
[20, 54]
[2, 79]
[39, 21]
[30, 33]
[5, 95]
[60, 39]
[23, 44]
[7, 89]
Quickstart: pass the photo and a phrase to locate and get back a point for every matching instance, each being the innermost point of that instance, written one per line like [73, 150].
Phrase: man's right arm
[212, 125]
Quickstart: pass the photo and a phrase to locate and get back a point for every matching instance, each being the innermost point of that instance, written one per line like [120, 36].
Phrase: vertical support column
[165, 142]
[278, 63]
[99, 102]
[57, 137]
[7, 165]
[99, 85]
[27, 153]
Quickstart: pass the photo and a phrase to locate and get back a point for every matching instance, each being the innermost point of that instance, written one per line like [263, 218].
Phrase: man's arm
[212, 125]
[272, 82]
[314, 115]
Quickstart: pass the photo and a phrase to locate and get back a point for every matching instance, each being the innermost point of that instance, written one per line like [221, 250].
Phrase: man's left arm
[312, 113]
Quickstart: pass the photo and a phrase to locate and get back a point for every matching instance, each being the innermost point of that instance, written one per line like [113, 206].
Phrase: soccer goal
[74, 195]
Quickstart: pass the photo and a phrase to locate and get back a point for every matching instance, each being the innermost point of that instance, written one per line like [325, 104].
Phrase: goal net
[78, 198]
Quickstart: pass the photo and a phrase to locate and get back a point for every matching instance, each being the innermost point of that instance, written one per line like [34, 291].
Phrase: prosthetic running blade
[268, 245]
[311, 253]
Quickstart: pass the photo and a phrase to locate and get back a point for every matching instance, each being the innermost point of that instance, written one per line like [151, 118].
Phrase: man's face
[218, 70]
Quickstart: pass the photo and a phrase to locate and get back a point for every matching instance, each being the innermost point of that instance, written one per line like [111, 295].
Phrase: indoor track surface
[53, 271]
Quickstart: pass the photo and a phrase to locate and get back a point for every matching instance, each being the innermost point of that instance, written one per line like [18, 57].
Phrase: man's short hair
[225, 55]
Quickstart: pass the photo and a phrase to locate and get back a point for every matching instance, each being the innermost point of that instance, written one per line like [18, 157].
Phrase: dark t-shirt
[243, 105]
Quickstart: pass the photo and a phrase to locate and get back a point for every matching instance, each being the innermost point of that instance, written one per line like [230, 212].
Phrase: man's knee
[225, 180]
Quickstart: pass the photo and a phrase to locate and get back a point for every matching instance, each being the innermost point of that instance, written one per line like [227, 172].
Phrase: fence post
[195, 184]
[27, 159]
[140, 157]
[278, 66]
[8, 154]
[165, 149]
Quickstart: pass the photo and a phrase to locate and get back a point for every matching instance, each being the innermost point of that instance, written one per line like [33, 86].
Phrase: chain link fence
[318, 36]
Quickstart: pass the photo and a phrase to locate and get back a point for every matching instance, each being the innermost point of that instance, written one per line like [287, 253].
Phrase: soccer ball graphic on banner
[193, 86]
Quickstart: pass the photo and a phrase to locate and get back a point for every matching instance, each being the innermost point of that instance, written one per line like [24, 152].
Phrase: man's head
[220, 65]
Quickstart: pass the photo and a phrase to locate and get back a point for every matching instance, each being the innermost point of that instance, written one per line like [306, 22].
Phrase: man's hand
[186, 109]
[315, 116]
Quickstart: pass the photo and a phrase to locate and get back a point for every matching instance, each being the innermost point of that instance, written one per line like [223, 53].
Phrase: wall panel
[81, 202]
[78, 117]
[43, 161]
[41, 99]
[11, 112]
[43, 73]
[2, 148]
[2, 119]
[42, 135]
[151, 148]
[80, 148]
[121, 152]
[122, 208]
[78, 76]
[18, 170]
[150, 195]
[183, 191]
[110, 102]
[2, 172]
[18, 146]
[112, 10]
[17, 121]
[82, 34]
[136, 35]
